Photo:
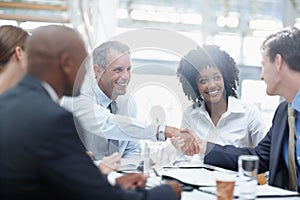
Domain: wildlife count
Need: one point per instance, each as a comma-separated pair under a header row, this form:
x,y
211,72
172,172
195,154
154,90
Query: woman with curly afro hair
x,y
209,78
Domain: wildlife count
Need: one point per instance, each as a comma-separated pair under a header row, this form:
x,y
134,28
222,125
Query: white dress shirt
x,y
50,91
241,125
96,119
126,106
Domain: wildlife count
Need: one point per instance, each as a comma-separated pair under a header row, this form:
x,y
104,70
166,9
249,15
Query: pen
x,y
205,191
155,172
171,167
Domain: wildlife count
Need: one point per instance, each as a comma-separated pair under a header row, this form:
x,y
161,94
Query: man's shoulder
x,y
282,108
127,105
32,101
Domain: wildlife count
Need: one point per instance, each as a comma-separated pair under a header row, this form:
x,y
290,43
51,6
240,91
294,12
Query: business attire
x,y
42,156
101,146
241,125
96,119
271,150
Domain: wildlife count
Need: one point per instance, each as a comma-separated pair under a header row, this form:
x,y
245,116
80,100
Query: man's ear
x,y
65,63
98,71
278,60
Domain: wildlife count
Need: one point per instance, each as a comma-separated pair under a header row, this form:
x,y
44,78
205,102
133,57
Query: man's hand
x,y
110,163
176,187
90,154
191,145
171,132
187,142
184,140
132,181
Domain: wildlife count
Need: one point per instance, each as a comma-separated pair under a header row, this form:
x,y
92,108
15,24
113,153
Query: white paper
x,y
262,191
200,177
267,190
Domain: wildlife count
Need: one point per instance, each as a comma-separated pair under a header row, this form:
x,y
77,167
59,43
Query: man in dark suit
x,y
42,156
281,72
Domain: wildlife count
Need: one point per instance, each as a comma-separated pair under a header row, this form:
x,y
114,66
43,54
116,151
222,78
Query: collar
x,y
101,98
50,91
296,102
234,106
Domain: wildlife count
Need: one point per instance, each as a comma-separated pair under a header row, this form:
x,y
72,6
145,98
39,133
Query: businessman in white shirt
x,y
105,128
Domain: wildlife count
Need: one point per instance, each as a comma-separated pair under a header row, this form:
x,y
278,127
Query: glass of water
x,y
248,168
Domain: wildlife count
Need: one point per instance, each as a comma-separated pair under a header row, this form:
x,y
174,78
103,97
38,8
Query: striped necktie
x,y
113,107
292,167
113,144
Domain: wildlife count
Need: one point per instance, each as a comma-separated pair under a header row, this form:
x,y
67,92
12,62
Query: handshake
x,y
185,141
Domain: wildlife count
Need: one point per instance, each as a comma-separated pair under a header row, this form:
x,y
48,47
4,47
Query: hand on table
x,y
110,163
132,181
176,187
135,180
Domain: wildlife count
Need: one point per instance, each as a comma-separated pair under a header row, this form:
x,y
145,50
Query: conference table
x,y
198,181
190,177
195,194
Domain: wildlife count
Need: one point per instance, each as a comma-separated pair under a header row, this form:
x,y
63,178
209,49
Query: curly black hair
x,y
212,56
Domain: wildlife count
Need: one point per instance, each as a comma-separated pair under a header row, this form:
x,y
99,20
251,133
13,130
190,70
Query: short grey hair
x,y
100,53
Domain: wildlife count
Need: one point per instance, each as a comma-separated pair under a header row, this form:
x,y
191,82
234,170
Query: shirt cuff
x,y
112,176
97,162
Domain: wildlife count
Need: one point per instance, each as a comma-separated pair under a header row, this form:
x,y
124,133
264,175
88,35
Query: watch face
x,y
161,133
161,136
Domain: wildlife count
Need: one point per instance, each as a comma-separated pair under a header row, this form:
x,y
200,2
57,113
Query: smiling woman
x,y
209,77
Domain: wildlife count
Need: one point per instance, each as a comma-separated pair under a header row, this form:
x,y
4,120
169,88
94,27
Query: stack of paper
x,y
262,191
197,177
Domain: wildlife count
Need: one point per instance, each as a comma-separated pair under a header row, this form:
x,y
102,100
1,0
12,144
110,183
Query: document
x,y
196,177
262,191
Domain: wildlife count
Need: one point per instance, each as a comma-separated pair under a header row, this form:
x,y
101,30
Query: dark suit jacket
x,y
42,156
269,151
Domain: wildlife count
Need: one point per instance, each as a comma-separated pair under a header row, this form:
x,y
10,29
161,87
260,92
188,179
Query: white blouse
x,y
241,125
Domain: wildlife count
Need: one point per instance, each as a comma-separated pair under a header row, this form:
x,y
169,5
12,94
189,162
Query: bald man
x,y
42,156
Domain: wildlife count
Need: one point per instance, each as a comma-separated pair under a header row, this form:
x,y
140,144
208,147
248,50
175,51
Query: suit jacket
x,y
42,156
269,151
